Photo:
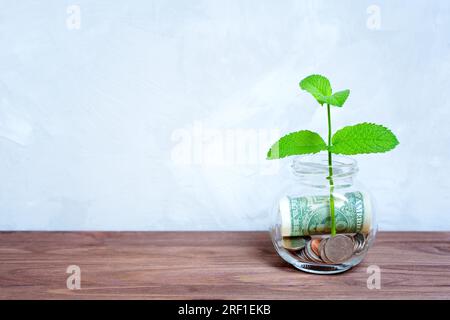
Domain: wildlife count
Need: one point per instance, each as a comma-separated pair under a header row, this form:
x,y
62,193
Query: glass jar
x,y
301,230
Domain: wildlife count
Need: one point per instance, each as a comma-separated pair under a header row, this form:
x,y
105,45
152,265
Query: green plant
x,y
357,139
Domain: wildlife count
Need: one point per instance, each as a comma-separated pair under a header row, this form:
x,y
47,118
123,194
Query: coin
x,y
356,243
322,251
315,246
306,257
360,242
359,239
301,254
310,253
338,248
294,243
321,245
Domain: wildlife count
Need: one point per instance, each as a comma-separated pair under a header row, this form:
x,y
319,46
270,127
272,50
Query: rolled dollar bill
x,y
306,216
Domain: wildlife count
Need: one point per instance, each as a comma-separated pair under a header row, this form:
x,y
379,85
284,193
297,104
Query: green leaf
x,y
363,138
318,86
338,99
296,143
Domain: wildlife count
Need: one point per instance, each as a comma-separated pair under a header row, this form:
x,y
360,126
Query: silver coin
x,y
305,256
360,240
294,243
357,245
322,251
339,248
321,245
302,256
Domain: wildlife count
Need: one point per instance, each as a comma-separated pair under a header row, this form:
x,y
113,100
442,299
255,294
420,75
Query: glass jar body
x,y
303,223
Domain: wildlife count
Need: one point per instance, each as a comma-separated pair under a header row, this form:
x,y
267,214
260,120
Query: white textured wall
x,y
116,117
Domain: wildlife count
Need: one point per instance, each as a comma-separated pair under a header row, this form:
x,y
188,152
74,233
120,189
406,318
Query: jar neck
x,y
315,171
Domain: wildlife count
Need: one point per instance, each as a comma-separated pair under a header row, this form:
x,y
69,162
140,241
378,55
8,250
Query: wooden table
x,y
210,265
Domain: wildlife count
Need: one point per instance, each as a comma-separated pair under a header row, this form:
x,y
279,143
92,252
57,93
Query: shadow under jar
x,y
301,231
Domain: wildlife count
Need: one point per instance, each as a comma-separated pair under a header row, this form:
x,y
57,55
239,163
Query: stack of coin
x,y
311,251
360,243
330,250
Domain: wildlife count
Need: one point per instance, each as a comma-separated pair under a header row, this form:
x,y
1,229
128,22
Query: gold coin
x,y
294,243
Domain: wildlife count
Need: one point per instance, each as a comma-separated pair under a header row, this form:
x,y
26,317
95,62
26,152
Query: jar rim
x,y
316,165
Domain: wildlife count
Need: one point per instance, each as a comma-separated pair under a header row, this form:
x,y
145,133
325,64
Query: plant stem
x,y
330,175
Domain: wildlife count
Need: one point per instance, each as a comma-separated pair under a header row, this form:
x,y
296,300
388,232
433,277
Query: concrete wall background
x,y
131,115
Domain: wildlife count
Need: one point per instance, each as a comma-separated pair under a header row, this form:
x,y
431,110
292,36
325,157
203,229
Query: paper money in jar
x,y
306,216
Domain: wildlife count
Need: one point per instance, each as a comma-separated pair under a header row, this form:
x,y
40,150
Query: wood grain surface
x,y
210,265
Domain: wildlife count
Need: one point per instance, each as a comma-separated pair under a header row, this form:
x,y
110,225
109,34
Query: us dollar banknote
x,y
310,215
